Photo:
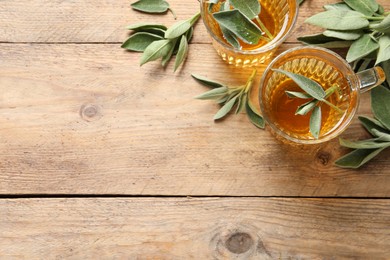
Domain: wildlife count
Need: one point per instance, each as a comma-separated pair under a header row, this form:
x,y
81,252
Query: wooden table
x,y
102,159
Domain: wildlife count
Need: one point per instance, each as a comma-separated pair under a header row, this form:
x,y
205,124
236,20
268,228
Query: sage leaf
x,y
214,94
381,10
321,40
310,86
315,122
358,157
295,94
181,27
249,8
140,41
225,109
380,105
382,137
306,107
182,52
230,37
343,35
337,6
383,26
156,50
253,116
371,124
151,6
240,25
386,68
364,144
167,57
339,20
145,27
361,48
384,49
242,100
207,82
366,7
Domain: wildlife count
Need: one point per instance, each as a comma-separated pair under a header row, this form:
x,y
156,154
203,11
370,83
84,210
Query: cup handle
x,y
370,78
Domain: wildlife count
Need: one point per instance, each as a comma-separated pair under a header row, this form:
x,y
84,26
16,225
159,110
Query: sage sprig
x,y
152,6
156,41
240,21
230,97
316,94
378,127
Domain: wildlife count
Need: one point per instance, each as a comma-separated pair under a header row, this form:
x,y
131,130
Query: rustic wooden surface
x,y
86,134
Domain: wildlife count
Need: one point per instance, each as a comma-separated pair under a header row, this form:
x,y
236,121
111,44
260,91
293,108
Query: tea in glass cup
x,y
329,70
276,18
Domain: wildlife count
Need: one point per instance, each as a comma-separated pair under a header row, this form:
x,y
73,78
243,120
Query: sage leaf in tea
x,y
380,104
384,49
156,50
230,37
296,94
315,122
357,158
240,25
249,8
182,52
140,41
361,48
366,7
152,6
339,20
306,107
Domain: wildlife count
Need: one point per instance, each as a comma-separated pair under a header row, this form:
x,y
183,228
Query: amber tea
x,y
330,71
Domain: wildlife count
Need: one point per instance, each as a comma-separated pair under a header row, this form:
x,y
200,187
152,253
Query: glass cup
x,y
278,17
329,70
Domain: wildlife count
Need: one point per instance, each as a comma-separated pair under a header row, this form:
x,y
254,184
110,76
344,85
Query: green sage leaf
x,y
242,100
315,122
384,49
140,41
295,94
380,105
310,86
361,48
383,26
182,53
339,20
225,109
207,82
337,6
343,35
371,124
306,107
357,158
230,37
157,29
240,25
156,50
151,6
364,144
386,68
253,116
214,94
382,137
167,57
321,40
181,27
366,7
249,8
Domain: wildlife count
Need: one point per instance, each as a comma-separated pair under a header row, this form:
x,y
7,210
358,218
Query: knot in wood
x,y
239,243
323,157
90,112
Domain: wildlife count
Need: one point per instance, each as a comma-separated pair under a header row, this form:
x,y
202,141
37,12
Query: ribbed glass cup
x,y
281,15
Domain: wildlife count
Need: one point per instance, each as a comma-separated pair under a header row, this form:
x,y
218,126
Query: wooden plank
x,y
85,119
104,21
189,228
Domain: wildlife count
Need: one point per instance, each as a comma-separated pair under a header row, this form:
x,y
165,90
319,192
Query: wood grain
x,y
85,119
189,228
84,21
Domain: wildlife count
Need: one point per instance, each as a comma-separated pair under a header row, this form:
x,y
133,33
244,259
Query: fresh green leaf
x,y
214,94
167,57
371,124
382,137
225,109
207,82
343,35
381,10
182,53
295,94
254,117
321,40
337,6
249,8
230,37
315,122
384,49
189,34
240,25
366,7
151,6
357,158
386,68
380,104
310,86
242,100
383,26
364,144
140,41
361,48
339,20
156,50
142,27
181,27
306,107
